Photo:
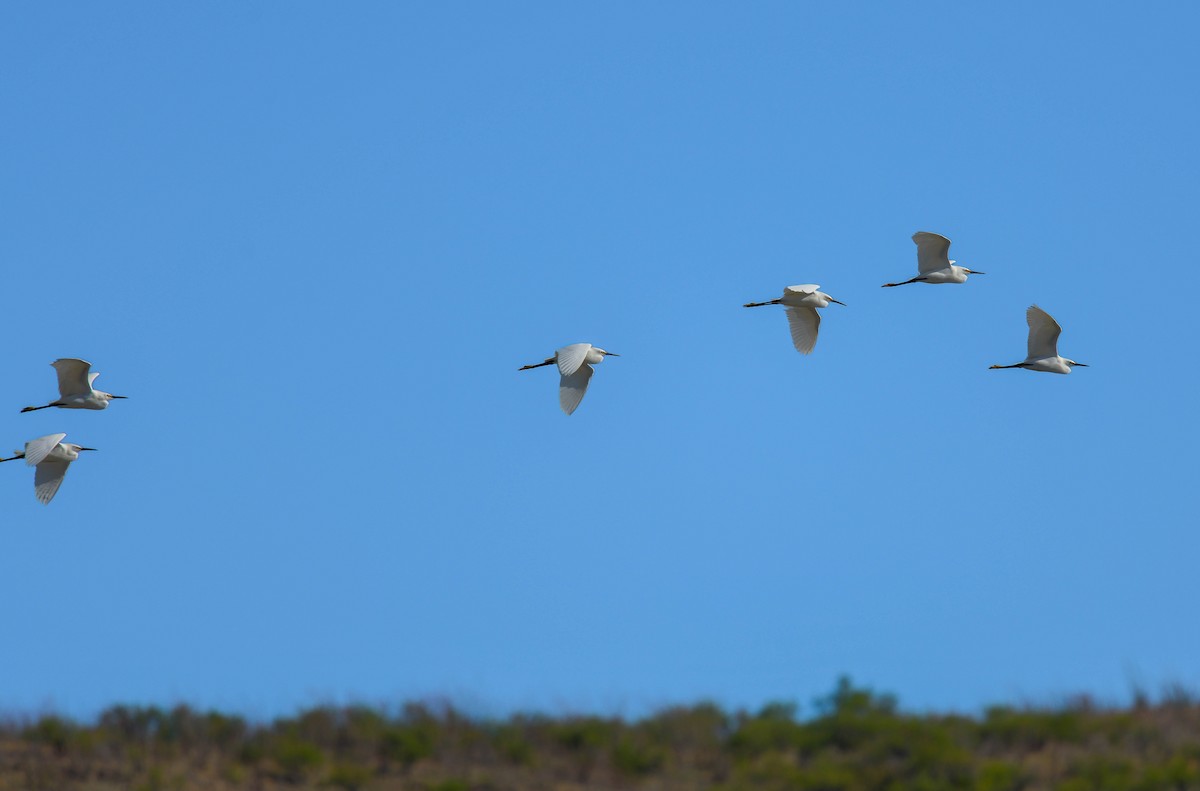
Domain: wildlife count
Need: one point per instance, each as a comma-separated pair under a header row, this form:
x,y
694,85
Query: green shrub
x,y
156,779
1179,772
52,731
773,729
223,731
296,758
1030,730
132,723
637,756
407,744
362,730
511,743
349,777
451,785
251,752
772,771
583,733
1100,773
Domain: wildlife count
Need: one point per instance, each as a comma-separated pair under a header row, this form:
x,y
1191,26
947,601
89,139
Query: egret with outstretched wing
x,y
1042,347
50,457
933,262
801,302
575,371
75,390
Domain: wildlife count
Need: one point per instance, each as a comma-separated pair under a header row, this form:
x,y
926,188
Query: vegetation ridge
x,y
854,740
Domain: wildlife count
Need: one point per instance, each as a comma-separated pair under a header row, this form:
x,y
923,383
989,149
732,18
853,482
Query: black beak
x,y
88,449
843,304
113,396
1080,365
976,272
611,354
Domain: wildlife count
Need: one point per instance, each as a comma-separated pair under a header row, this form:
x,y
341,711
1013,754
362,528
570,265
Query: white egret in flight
x,y
575,368
75,387
1043,345
801,303
933,262
51,456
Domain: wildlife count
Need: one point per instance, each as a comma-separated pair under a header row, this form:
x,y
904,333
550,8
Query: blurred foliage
x,y
853,739
349,777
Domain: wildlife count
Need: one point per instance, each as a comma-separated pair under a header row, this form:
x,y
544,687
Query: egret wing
x,y
933,251
806,288
1043,333
569,358
47,479
571,388
73,376
804,323
92,379
38,449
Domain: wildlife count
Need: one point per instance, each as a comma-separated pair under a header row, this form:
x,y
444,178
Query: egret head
x,y
606,354
1072,362
110,396
973,271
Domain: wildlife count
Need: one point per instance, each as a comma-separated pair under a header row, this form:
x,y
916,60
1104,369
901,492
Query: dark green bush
x,y
349,777
583,733
54,732
297,758
634,756
510,741
407,744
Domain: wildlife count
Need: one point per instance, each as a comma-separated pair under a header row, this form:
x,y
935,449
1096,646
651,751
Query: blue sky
x,y
314,242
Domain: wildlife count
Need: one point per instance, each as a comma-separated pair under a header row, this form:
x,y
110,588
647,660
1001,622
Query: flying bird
x,y
51,456
75,387
801,303
933,262
575,371
1043,345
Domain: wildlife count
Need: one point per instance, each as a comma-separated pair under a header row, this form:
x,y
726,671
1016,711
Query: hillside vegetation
x,y
852,740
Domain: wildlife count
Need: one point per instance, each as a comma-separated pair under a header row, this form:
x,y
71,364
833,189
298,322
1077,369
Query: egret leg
x,y
905,283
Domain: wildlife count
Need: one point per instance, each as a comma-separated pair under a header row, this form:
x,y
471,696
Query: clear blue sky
x,y
313,243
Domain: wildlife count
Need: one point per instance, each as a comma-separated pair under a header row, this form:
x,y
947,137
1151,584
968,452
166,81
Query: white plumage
x,y
1042,347
50,457
575,371
933,262
801,303
75,387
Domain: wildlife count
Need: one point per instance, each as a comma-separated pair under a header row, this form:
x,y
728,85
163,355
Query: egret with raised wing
x,y
75,387
51,457
933,262
802,303
1043,345
575,371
